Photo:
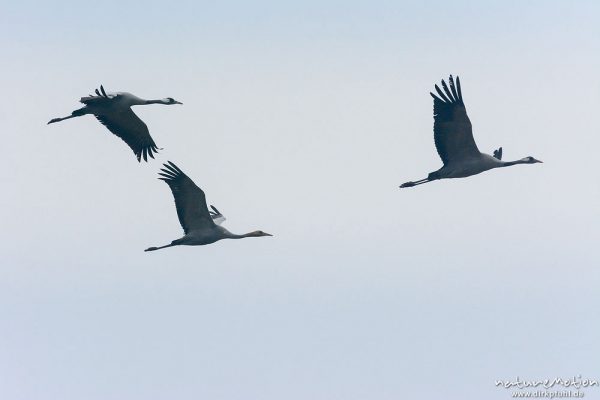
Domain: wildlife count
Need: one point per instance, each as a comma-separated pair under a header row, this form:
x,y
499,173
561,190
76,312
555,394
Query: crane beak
x,y
540,161
177,102
267,234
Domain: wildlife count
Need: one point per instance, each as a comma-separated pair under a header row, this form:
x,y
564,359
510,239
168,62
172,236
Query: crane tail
x,y
498,153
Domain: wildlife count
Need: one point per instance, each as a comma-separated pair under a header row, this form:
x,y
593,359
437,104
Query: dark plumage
x,y
452,131
453,137
113,110
200,225
190,200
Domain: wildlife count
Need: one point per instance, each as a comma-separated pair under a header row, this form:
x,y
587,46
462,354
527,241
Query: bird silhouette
x,y
200,225
113,110
453,136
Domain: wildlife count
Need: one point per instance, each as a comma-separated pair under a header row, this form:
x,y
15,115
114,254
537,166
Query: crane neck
x,y
236,236
230,235
157,101
509,163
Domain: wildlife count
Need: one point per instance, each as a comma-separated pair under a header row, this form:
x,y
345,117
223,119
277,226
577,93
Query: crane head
x,y
531,160
170,100
258,234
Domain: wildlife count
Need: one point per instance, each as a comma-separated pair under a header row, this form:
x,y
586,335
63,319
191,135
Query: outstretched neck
x,y
158,101
235,236
230,235
225,234
509,163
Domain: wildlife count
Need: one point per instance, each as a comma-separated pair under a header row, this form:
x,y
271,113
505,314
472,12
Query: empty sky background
x,y
300,119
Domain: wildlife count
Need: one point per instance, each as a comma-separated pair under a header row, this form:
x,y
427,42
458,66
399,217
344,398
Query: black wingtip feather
x,y
166,176
175,167
167,172
435,97
452,99
102,90
453,88
169,169
437,89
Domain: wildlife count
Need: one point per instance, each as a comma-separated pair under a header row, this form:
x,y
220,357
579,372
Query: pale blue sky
x,y
301,120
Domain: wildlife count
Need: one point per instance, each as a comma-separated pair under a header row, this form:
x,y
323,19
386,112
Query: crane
x,y
113,110
200,225
453,136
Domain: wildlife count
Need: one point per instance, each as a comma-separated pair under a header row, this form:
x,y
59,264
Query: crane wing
x,y
129,127
190,200
452,129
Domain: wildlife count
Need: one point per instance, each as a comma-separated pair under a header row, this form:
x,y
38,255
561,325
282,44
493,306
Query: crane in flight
x,y
113,110
200,225
453,136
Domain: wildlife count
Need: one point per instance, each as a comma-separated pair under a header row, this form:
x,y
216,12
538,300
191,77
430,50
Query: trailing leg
x,y
415,183
76,113
175,242
158,248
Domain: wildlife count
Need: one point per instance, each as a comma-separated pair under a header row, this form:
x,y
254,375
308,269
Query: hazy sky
x,y
300,120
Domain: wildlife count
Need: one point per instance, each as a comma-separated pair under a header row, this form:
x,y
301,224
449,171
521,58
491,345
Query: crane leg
x,y
76,113
158,248
415,183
